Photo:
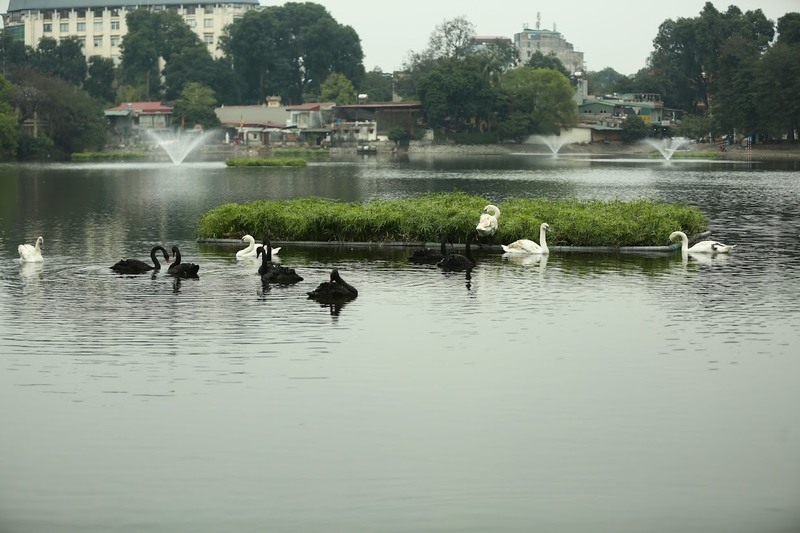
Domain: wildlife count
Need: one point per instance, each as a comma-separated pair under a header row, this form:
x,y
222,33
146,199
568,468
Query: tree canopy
x,y
290,50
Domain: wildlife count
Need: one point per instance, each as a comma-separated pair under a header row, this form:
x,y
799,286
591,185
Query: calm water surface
x,y
583,393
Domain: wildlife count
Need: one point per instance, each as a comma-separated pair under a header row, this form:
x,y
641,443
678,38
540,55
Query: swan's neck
x,y
444,248
684,243
468,252
543,239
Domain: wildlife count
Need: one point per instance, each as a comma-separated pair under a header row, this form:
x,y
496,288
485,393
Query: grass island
x,y
428,217
266,162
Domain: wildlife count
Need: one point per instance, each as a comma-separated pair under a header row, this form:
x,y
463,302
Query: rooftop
x,y
25,5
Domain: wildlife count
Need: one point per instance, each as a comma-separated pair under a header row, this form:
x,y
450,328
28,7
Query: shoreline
x,y
636,150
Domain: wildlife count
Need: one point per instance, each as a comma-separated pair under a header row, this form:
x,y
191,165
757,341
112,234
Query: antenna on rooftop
x,y
538,19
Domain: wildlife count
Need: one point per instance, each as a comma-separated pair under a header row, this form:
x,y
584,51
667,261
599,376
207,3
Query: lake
x,y
581,393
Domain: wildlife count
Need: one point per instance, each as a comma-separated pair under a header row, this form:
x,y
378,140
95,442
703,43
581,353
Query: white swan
x,y
487,225
250,250
702,247
31,254
527,246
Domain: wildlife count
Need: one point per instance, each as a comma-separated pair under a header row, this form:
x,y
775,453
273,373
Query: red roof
x,y
143,107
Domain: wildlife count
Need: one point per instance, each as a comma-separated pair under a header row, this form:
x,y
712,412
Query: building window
x,y
98,13
48,28
191,23
208,23
97,26
81,13
115,40
82,42
63,13
115,25
208,9
81,26
98,41
48,15
208,38
190,10
115,12
63,27
115,59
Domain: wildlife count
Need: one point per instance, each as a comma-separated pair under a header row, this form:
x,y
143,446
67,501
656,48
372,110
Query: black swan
x,y
181,270
427,256
135,266
333,291
458,262
272,273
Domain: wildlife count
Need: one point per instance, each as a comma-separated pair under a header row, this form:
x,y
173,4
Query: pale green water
x,y
591,393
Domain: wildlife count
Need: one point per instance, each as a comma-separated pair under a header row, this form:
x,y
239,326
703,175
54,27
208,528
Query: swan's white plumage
x,y
522,246
31,253
527,246
487,224
702,247
250,250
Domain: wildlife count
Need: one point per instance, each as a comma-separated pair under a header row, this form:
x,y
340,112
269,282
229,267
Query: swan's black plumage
x,y
427,256
181,270
272,273
458,262
333,291
135,266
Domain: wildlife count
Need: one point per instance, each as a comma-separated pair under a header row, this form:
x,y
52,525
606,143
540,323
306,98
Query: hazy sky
x,y
611,33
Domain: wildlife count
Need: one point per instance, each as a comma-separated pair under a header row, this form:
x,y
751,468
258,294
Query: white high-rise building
x,y
100,24
530,41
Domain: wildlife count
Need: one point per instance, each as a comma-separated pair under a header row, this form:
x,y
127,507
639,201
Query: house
x,y
312,121
128,121
606,114
373,121
254,124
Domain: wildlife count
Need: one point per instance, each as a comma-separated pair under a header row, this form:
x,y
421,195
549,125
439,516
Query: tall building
x,y
100,24
529,41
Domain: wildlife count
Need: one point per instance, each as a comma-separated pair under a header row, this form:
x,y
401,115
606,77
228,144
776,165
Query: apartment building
x,y
532,40
100,24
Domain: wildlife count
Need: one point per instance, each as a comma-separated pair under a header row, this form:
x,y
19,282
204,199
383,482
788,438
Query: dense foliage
x,y
429,217
290,50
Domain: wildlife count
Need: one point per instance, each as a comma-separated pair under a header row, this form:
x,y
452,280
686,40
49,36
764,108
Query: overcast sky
x,y
611,33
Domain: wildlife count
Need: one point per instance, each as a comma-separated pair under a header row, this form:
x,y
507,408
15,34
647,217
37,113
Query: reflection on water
x,y
651,392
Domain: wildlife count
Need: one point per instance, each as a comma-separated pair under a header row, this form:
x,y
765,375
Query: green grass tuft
x,y
428,217
261,162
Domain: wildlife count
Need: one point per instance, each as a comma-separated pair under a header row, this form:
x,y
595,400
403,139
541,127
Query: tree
x,y
550,61
789,29
8,122
535,101
451,38
776,85
377,85
606,81
70,118
687,51
100,83
63,59
633,129
456,94
140,52
156,35
337,88
196,106
290,50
